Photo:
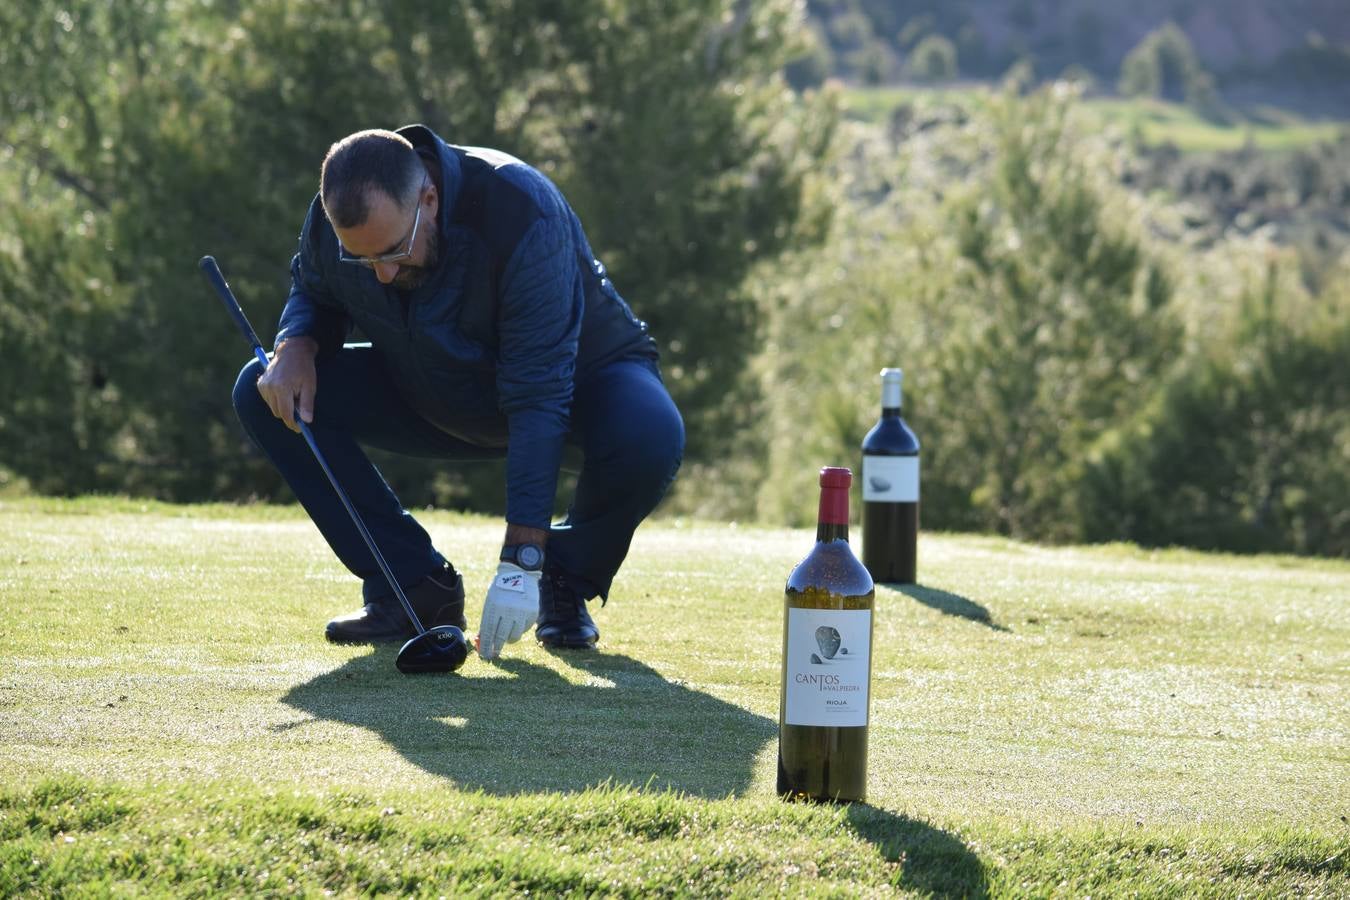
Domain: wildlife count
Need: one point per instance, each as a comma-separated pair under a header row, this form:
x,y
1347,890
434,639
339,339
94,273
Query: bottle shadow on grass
x,y
949,604
624,724
533,730
932,861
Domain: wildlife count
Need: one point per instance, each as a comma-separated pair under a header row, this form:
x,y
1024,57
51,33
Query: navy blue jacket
x,y
489,347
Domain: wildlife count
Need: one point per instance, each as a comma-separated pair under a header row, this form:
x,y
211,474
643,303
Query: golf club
x,y
438,649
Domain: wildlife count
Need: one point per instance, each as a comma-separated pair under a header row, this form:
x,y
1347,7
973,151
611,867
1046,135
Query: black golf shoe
x,y
563,620
437,599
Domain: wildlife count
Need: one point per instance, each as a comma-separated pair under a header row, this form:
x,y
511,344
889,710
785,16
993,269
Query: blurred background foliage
x,y
1103,338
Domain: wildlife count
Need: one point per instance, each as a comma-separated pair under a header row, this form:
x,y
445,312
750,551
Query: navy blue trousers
x,y
623,421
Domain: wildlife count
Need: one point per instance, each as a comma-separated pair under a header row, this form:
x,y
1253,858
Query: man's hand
x,y
290,381
511,607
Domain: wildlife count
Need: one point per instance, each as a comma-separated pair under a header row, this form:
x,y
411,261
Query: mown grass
x,y
1064,721
1152,122
68,834
1157,122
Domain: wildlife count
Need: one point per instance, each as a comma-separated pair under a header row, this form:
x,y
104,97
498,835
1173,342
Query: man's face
x,y
408,235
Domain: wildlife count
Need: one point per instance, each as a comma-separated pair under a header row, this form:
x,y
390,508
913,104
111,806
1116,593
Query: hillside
x,y
1297,52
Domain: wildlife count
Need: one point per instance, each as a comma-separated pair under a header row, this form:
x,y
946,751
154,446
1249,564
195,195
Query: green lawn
x,y
1068,721
1157,122
1152,121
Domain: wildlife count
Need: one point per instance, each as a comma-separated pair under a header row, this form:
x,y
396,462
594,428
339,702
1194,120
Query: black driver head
x,y
439,649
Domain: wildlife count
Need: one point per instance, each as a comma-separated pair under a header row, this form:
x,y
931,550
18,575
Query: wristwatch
x,y
529,557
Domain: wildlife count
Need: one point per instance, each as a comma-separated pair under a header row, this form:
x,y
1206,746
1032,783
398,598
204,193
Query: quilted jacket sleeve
x,y
542,302
310,309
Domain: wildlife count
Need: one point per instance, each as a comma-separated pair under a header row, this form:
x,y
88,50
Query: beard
x,y
412,277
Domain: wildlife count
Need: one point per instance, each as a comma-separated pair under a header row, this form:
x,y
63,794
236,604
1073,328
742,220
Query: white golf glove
x,y
511,607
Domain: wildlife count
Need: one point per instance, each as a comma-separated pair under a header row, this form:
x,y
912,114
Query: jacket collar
x,y
451,174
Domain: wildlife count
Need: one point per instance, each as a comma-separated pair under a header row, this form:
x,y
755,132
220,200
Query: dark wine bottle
x,y
890,477
827,661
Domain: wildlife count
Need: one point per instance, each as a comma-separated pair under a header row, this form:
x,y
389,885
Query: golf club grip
x,y
217,279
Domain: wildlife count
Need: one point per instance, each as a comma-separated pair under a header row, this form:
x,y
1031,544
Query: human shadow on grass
x,y
949,604
533,730
932,861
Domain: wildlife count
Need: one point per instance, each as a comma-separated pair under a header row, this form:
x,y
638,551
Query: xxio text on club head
x,y
439,649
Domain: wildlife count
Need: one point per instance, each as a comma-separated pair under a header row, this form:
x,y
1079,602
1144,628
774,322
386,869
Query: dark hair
x,y
359,163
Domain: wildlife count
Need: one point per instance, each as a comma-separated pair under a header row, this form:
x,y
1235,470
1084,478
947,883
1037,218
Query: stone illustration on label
x,y
891,479
829,640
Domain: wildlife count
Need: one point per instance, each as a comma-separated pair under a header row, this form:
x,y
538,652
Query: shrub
x,y
1246,449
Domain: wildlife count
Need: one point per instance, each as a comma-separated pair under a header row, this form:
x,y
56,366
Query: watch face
x,y
529,556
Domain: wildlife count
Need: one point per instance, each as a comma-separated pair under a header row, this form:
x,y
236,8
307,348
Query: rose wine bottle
x,y
890,492
827,661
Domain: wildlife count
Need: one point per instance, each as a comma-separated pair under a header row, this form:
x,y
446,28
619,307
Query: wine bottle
x,y
827,661
890,474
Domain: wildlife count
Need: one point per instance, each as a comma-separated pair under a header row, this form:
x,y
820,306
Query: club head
x,y
439,649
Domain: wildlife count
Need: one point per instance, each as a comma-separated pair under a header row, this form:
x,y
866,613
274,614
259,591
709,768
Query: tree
x,y
1164,64
1069,326
933,59
1140,74
813,65
81,111
58,408
1246,447
189,128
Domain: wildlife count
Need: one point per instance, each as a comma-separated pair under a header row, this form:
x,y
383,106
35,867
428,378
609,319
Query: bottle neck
x,y
890,412
831,531
832,523
890,394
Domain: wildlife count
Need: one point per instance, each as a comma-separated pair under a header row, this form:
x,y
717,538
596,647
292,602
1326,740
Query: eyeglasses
x,y
397,256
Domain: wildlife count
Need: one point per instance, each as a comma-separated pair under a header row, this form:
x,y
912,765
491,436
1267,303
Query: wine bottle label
x,y
891,479
828,663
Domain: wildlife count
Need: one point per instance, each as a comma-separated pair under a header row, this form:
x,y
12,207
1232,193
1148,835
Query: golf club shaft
x,y
217,279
